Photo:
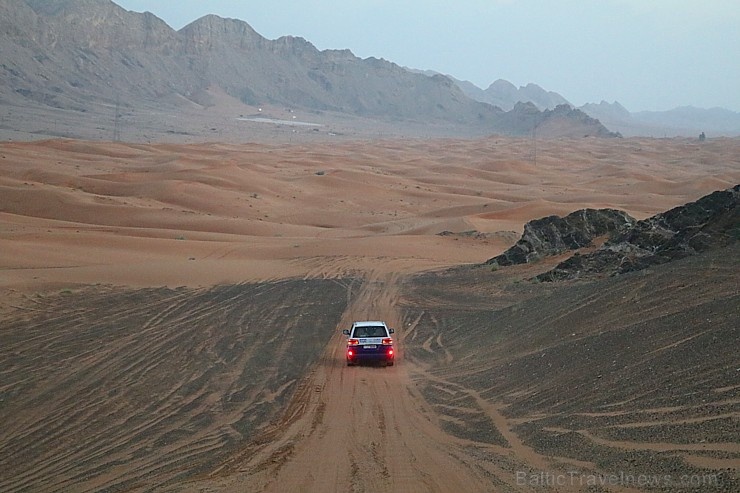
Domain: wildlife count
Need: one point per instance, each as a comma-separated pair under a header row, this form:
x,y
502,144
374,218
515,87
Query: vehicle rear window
x,y
370,331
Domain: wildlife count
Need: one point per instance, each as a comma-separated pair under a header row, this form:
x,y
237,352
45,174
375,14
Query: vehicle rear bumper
x,y
356,354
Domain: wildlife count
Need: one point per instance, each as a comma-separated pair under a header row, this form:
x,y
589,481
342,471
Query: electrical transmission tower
x,y
117,122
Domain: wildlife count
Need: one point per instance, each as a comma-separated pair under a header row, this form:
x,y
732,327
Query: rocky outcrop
x,y
554,235
563,120
709,223
503,235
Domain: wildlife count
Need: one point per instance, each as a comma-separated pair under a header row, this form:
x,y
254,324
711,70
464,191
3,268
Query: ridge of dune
x,y
71,211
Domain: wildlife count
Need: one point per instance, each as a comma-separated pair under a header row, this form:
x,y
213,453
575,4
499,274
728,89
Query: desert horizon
x,y
203,214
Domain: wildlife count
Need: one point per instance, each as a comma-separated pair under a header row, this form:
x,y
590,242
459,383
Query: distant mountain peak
x,y
502,84
506,95
99,24
217,26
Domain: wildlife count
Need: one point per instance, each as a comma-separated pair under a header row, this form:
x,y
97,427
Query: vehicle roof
x,y
368,324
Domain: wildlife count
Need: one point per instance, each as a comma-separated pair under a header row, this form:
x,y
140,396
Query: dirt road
x,y
194,390
368,428
458,415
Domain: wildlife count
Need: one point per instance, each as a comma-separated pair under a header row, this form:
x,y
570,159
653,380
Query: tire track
x,y
354,410
152,386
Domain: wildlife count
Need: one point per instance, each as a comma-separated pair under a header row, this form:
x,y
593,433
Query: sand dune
x,y
170,317
75,211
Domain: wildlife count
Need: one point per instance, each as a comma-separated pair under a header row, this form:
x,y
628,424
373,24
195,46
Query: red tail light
x,y
387,341
350,353
353,342
390,351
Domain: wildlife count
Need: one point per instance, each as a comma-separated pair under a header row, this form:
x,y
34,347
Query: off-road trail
x,y
368,428
171,318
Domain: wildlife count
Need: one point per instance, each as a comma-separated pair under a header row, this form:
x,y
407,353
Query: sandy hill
x,y
254,211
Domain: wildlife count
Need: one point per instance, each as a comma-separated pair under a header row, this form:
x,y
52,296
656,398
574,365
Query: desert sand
x,y
172,313
78,212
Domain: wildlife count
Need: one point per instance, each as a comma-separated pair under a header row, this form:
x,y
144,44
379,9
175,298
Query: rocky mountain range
x,y
506,95
686,121
80,55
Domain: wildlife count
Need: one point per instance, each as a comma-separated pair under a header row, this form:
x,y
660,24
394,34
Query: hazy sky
x,y
646,54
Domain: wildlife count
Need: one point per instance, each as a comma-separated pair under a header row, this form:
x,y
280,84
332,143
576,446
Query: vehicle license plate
x,y
370,346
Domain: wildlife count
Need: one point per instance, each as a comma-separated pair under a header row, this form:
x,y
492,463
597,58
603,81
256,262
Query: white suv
x,y
369,341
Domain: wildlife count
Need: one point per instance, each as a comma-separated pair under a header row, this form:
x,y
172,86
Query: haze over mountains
x,y
682,121
88,56
91,62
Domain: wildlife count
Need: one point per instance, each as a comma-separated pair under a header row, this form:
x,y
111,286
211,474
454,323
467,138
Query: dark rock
x,y
709,223
554,235
507,235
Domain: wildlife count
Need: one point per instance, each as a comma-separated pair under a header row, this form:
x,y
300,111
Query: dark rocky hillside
x,y
710,223
553,235
633,373
80,55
